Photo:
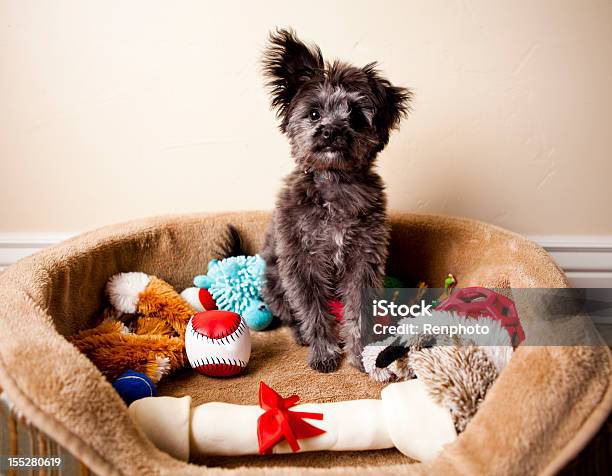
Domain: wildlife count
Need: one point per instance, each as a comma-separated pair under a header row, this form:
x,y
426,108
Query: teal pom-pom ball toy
x,y
235,283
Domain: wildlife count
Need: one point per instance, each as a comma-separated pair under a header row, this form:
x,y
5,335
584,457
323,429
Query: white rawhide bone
x,y
405,417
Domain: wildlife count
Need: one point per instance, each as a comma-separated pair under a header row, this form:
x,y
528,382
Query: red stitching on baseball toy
x,y
218,343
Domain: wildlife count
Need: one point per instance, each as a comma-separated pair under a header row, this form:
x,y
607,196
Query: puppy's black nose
x,y
329,133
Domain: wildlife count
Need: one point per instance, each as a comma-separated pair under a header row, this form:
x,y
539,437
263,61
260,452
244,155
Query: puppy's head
x,y
336,116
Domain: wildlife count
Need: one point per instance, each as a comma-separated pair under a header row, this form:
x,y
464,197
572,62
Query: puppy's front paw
x,y
325,365
324,360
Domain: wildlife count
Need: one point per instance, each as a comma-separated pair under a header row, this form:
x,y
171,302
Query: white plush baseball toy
x,y
218,343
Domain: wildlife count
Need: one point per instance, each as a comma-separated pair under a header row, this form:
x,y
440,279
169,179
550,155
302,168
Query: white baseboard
x,y
587,259
15,246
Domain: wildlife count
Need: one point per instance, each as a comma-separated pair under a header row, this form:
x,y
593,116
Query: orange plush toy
x,y
144,331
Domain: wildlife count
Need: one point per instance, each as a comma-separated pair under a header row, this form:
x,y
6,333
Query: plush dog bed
x,y
539,414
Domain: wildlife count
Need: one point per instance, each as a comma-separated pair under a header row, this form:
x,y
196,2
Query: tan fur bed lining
x,y
541,411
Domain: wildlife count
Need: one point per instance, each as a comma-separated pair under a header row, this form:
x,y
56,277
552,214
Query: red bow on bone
x,y
278,422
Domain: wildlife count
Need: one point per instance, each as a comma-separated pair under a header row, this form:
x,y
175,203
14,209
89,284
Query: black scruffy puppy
x,y
329,234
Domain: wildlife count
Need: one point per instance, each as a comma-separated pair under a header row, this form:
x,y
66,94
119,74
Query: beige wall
x,y
115,110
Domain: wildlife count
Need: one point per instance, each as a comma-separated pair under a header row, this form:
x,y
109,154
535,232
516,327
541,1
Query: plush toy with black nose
x,y
476,331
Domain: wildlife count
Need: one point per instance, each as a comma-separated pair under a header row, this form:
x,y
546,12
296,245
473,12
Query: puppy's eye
x,y
314,115
357,120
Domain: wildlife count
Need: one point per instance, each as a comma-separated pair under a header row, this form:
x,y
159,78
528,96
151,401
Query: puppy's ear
x,y
288,63
392,103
